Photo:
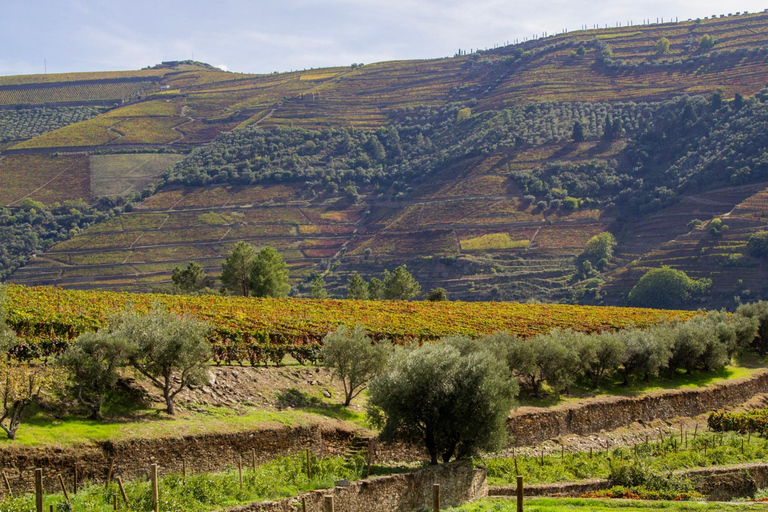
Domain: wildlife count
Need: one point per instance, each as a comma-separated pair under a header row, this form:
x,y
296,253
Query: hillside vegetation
x,y
487,173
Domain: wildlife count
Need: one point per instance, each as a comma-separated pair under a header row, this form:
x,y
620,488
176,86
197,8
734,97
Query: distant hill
x,y
463,168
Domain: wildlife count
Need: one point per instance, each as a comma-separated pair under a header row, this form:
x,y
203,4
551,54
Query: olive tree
x,y
456,405
646,352
93,361
169,350
353,358
598,355
759,312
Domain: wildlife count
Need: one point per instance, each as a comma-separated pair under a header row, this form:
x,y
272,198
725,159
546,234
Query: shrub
x,y
570,203
437,295
662,45
751,421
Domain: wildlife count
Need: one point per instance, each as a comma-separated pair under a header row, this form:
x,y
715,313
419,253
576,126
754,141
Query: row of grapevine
x,y
48,318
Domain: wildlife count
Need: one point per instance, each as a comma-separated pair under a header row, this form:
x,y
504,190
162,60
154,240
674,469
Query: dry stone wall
x,y
459,483
530,427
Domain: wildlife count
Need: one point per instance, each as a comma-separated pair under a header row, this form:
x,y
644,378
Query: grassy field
x,y
580,504
672,454
122,174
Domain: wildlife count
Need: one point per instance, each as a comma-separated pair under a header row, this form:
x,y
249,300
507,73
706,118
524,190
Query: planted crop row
x,y
51,317
28,123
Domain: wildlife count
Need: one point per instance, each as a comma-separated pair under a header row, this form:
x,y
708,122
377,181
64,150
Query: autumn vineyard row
x,y
255,331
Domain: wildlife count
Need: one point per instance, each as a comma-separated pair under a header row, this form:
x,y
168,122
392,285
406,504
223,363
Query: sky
x,y
262,36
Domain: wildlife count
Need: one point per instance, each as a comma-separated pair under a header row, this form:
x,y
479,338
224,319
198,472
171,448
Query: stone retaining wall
x,y
200,453
531,426
459,483
720,483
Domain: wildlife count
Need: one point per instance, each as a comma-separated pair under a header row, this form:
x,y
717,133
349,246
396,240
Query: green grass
x,y
654,456
43,430
568,504
680,380
280,478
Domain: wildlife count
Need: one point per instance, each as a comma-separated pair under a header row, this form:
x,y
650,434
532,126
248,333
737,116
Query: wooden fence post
x,y
7,485
309,467
303,504
63,488
109,473
253,461
74,479
328,503
39,490
184,469
114,502
520,494
436,497
122,490
370,458
155,488
240,469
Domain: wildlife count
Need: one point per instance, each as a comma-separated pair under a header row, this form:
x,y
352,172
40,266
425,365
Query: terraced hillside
x,y
469,169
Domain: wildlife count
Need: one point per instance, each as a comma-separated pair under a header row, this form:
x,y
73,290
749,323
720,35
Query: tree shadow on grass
x,y
298,399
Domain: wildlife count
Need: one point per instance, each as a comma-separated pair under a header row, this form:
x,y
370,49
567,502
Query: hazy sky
x,y
261,36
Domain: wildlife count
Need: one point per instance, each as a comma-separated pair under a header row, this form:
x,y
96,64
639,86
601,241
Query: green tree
x,y
608,129
571,203
758,244
358,288
354,359
237,268
317,288
437,295
456,405
662,45
170,350
706,42
269,274
376,289
646,352
400,285
598,355
190,279
464,114
596,254
759,312
543,358
666,288
93,361
738,101
578,132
